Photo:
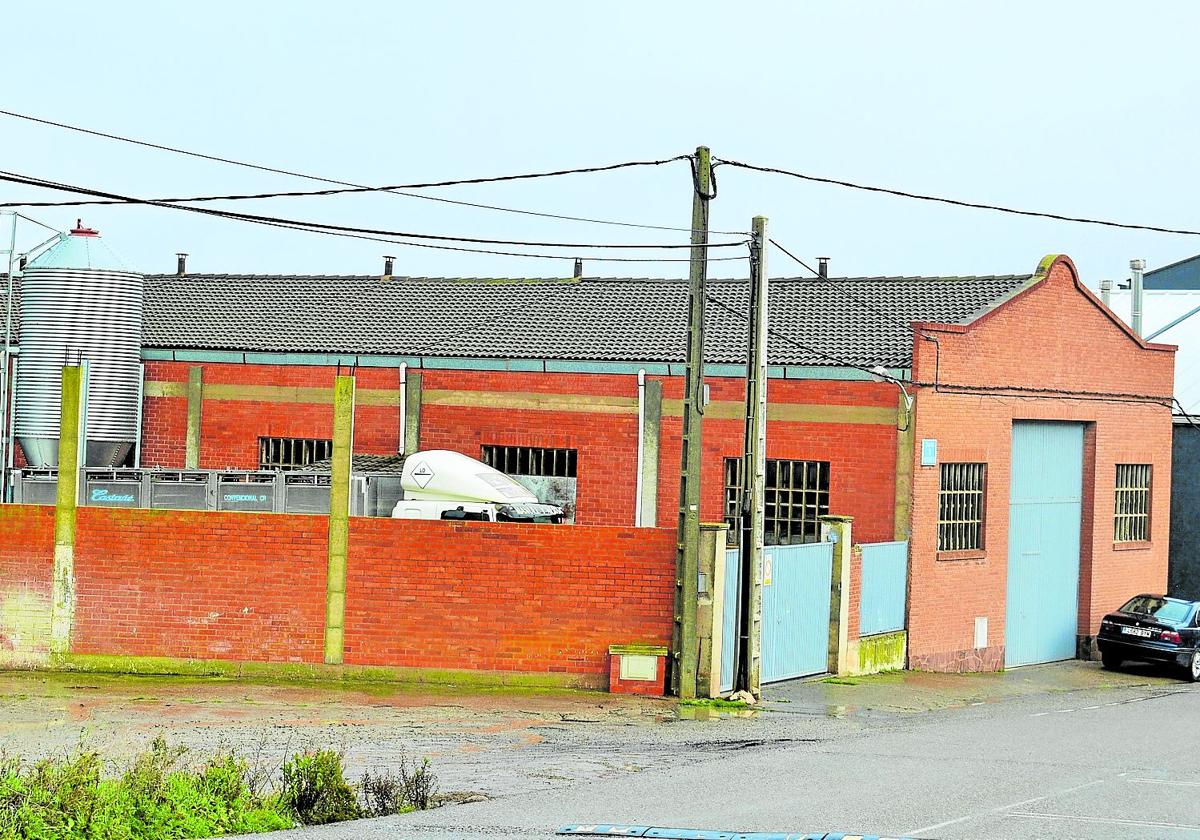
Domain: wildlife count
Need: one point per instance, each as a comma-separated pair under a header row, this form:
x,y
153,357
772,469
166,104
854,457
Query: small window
x,y
531,460
1131,521
961,507
797,493
278,453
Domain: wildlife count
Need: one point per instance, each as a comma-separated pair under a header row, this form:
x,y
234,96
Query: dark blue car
x,y
1153,628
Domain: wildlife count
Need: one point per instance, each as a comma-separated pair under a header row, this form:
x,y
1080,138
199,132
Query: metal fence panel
x,y
884,587
729,629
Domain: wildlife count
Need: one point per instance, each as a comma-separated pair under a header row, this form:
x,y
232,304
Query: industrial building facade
x,y
928,409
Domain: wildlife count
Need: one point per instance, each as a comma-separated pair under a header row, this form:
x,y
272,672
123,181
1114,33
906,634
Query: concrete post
x,y
652,435
195,399
62,607
709,609
339,519
836,529
412,412
905,423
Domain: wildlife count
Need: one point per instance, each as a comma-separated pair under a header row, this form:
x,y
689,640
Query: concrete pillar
x,y
651,442
339,519
62,607
412,412
195,398
710,607
836,529
905,422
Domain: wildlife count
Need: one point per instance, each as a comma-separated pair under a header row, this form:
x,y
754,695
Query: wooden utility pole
x,y
754,468
687,559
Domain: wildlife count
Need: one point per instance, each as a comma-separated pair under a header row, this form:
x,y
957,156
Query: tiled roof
x,y
863,321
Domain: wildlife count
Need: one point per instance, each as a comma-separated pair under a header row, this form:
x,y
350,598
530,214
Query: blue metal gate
x,y
729,630
796,583
884,587
1043,542
795,607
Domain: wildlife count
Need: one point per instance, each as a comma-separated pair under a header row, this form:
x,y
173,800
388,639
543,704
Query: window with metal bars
x,y
961,507
1131,521
280,453
796,493
531,460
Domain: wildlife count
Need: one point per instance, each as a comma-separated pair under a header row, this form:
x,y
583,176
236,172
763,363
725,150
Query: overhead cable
x,y
956,202
395,189
18,178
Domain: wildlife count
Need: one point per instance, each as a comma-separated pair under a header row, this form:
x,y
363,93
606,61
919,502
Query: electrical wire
x,y
956,202
18,178
392,190
396,189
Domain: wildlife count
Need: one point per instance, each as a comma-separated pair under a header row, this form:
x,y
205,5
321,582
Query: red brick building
x,y
891,400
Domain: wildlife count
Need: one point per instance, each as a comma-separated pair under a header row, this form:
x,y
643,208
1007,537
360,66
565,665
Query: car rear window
x,y
1159,608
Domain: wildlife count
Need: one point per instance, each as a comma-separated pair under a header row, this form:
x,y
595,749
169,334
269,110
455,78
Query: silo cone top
x,y
81,248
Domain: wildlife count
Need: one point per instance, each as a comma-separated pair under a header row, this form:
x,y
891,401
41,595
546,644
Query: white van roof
x,y
442,474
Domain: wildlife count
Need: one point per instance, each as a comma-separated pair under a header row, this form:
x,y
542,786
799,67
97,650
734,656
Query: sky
x,y
1081,108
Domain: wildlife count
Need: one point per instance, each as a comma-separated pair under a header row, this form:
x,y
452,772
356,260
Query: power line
x,y
395,189
837,287
17,178
392,190
956,202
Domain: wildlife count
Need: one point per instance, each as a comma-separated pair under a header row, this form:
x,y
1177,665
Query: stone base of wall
x,y
959,661
1087,649
879,653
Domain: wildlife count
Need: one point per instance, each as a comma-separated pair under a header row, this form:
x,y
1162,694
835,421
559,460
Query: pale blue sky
x,y
1084,108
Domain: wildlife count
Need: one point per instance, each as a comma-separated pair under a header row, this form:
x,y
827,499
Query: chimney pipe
x,y
1106,292
389,263
578,267
822,267
181,264
1136,267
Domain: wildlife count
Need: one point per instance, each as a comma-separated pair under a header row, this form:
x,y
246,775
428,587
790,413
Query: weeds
x,y
160,795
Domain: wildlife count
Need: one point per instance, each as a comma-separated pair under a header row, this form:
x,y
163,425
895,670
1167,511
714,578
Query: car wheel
x,y
1193,669
1110,661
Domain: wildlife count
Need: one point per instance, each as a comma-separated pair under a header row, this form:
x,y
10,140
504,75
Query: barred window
x,y
961,507
531,460
797,492
280,453
1131,522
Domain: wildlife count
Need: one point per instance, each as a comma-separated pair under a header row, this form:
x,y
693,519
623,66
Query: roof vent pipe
x,y
1136,267
389,263
578,267
1106,292
823,267
181,265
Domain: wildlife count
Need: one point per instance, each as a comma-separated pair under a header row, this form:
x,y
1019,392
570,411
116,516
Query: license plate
x,y
1136,631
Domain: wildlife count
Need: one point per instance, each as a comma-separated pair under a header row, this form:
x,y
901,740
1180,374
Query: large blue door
x,y
795,618
1043,542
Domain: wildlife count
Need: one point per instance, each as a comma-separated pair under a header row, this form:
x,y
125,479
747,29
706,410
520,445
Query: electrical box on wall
x,y
929,452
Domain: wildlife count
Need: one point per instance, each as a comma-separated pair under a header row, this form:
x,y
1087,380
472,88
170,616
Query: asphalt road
x,y
1093,762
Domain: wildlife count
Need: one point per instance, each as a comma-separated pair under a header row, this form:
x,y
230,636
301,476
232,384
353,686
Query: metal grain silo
x,y
79,302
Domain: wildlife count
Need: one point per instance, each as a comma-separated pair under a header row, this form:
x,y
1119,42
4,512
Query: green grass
x,y
840,681
161,795
716,703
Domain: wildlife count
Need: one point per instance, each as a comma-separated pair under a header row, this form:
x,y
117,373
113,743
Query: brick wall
x,y
862,455
251,587
504,596
26,569
1058,336
202,585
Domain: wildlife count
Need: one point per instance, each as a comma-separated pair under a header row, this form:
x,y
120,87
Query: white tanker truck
x,y
440,484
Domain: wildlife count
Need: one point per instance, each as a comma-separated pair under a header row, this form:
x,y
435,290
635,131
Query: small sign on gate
x,y
766,578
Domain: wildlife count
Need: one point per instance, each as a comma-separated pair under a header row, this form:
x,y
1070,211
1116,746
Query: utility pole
x,y
754,470
687,558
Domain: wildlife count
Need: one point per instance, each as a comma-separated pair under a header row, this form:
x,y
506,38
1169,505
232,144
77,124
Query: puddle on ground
x,y
710,713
